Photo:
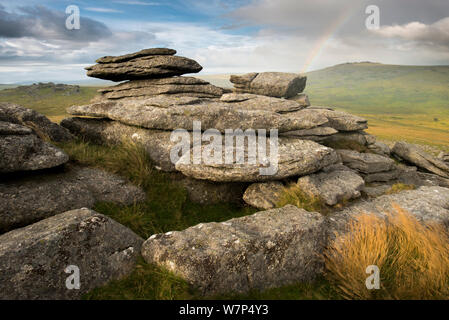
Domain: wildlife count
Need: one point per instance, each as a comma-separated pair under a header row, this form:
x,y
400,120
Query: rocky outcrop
x,y
333,187
443,156
22,150
342,121
272,84
142,65
427,204
30,198
37,261
247,101
264,250
217,115
40,124
295,158
174,87
420,158
317,134
264,195
372,167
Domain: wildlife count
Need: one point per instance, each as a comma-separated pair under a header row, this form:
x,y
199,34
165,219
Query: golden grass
x,y
294,195
413,258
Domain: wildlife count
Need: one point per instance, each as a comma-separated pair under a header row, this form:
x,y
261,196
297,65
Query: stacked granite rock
x,y
44,223
156,99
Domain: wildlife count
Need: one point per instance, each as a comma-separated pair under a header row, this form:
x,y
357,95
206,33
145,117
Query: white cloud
x,y
427,34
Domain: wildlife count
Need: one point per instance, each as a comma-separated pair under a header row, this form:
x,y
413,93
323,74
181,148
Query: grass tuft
x,y
413,258
294,195
399,187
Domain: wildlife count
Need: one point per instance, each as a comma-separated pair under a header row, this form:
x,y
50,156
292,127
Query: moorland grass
x,y
413,258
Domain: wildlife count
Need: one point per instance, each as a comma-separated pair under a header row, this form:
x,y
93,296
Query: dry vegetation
x,y
413,258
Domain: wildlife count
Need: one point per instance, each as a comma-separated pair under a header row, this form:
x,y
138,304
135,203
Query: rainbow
x,y
350,9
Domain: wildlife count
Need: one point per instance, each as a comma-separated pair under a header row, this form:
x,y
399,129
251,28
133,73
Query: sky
x,y
232,36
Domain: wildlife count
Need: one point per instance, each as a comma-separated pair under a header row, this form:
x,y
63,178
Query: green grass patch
x,y
294,195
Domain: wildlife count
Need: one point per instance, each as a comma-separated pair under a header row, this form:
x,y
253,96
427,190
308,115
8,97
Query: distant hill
x,y
401,102
48,98
374,88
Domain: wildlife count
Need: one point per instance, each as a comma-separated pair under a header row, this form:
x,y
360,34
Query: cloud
x,y
436,34
42,23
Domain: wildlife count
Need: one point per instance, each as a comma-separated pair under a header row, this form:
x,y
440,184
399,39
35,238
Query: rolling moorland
x,y
408,103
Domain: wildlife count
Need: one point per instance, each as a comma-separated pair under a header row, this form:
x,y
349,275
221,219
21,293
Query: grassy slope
x,y
52,104
400,102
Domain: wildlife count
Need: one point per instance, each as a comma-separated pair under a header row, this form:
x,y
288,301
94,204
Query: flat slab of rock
x,y
264,250
25,200
366,162
333,187
40,124
420,158
295,157
141,53
142,89
33,259
22,150
217,115
317,134
272,84
247,101
427,204
263,195
342,121
142,66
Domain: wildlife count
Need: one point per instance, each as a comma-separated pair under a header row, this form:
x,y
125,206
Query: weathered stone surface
x,y
168,86
342,121
383,176
139,54
272,84
26,152
295,157
217,115
366,162
102,131
33,259
427,204
315,134
302,99
267,249
207,192
264,195
375,191
25,200
333,187
40,124
380,148
8,128
420,158
248,101
354,139
443,156
145,67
